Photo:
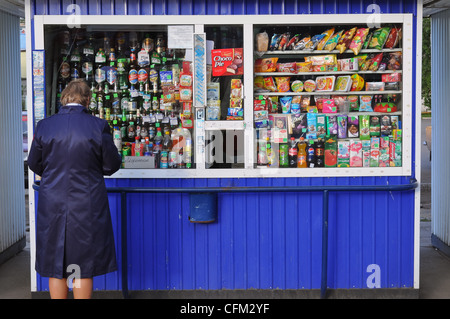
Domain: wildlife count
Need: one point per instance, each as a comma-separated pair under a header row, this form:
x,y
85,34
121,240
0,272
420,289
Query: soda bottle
x,y
320,153
293,151
284,155
311,154
137,147
131,130
158,139
301,156
167,142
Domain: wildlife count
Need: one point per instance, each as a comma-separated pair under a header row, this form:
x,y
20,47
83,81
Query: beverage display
x,y
135,86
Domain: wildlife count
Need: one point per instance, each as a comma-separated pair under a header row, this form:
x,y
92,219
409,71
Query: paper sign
x,y
179,36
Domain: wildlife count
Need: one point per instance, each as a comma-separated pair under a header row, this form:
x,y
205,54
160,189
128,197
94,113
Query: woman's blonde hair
x,y
77,91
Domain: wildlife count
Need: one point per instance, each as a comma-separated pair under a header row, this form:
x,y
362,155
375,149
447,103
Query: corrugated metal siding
x,y
440,27
12,194
259,241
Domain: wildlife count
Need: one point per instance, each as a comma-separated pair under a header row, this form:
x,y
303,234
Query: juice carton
x,y
374,151
356,159
330,151
366,153
384,151
332,126
364,127
343,159
321,126
342,126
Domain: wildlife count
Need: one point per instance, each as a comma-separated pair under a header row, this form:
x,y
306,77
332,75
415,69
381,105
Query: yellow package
x,y
327,37
304,67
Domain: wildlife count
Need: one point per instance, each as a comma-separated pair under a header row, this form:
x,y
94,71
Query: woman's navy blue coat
x,y
71,151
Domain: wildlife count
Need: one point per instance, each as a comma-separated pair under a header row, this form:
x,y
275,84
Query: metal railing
x,y
123,191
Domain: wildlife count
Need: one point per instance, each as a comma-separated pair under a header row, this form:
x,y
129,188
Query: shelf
x,y
328,93
326,73
305,52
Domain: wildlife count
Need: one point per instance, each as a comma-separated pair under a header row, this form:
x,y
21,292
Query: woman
x,y
71,151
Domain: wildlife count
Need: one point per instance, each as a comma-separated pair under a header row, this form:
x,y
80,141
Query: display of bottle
x,y
138,123
293,151
137,147
301,155
117,136
87,61
100,101
157,145
311,154
122,67
148,147
112,61
131,129
100,62
147,43
284,155
167,141
64,73
116,99
320,153
75,64
262,154
124,127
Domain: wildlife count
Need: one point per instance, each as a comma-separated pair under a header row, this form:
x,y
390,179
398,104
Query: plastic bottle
x,y
293,151
301,156
117,136
137,147
320,153
311,154
167,142
158,140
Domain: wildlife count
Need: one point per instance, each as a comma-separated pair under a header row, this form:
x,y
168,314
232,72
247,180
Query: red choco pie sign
x,y
227,62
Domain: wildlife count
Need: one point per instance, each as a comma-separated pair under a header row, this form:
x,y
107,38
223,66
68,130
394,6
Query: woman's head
x,y
77,91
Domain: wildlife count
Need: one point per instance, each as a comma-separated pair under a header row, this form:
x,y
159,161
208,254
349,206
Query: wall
x,y
262,241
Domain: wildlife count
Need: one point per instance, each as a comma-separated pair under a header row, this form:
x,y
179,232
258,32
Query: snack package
x,y
345,41
292,41
319,60
274,42
301,43
364,127
354,102
321,125
394,122
379,38
394,38
212,113
312,44
260,104
333,41
343,156
312,126
332,126
269,84
343,83
304,67
261,118
395,61
384,152
358,40
342,126
213,91
330,151
328,106
304,103
353,126
283,83
295,108
357,82
356,156
286,104
284,41
309,85
375,86
374,151
366,152
266,65
365,103
297,125
340,103
367,40
328,34
374,126
385,125
325,83
258,84
290,67
297,86
395,153
372,63
348,64
262,42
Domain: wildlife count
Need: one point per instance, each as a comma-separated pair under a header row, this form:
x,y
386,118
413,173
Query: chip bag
x,y
393,38
333,41
327,35
358,40
266,65
283,83
379,38
345,41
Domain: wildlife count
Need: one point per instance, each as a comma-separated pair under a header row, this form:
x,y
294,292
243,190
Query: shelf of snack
x,y
340,107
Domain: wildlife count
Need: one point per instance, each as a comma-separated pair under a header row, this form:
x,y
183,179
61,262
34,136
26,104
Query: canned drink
x,y
172,159
164,159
